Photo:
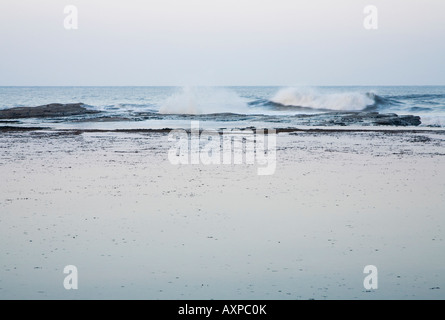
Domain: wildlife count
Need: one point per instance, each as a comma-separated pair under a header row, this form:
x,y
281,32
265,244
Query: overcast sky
x,y
222,42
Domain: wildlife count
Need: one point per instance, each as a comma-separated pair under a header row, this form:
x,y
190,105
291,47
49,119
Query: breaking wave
x,y
204,100
310,98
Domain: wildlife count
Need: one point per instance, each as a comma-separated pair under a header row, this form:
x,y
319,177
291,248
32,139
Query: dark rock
x,y
20,129
395,120
411,120
359,118
48,110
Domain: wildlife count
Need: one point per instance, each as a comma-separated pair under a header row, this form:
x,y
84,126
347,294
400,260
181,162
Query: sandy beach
x,y
138,227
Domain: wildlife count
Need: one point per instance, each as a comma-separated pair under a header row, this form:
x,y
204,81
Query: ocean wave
x,y
204,100
217,100
313,99
419,96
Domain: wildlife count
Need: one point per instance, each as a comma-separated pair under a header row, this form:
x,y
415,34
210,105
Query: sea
x,y
137,107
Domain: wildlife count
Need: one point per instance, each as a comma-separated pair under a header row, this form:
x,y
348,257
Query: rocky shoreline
x,y
44,111
58,110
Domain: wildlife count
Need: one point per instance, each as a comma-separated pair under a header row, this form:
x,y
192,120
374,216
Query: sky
x,y
221,42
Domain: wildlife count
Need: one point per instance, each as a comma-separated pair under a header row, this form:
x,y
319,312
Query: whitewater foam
x,y
311,98
204,100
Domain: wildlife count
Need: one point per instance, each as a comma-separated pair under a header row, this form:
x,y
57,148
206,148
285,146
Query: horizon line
x,y
262,85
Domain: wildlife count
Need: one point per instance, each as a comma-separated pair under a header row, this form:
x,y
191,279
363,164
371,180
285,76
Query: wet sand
x,y
138,227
